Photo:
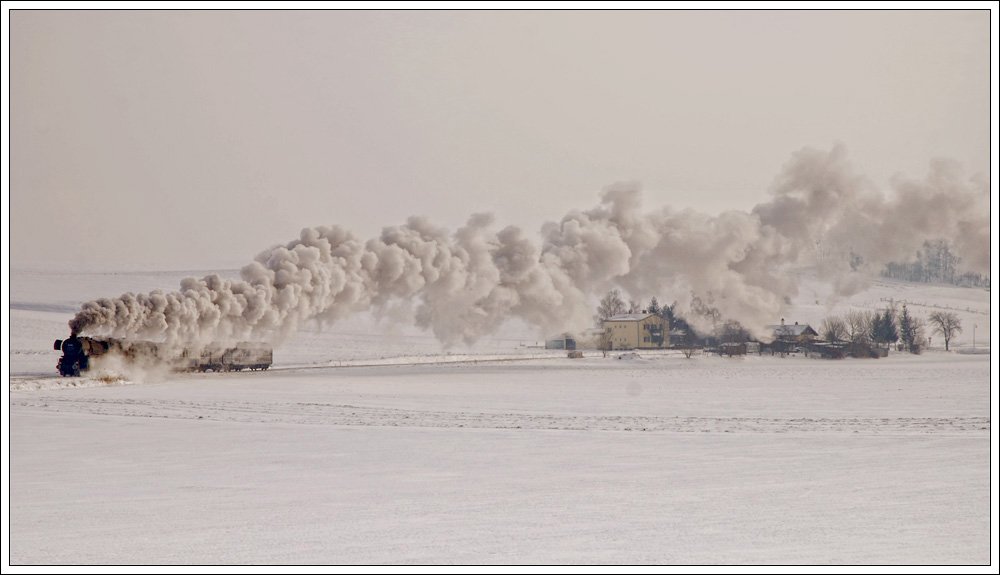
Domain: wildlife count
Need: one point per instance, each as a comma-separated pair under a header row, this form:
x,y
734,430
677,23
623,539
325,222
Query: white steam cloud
x,y
466,284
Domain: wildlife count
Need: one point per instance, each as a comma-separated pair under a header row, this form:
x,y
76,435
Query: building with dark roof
x,y
797,333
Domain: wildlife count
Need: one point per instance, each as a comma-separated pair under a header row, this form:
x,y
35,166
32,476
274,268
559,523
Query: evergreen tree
x,y
667,312
875,329
654,306
676,321
905,328
890,334
882,328
909,331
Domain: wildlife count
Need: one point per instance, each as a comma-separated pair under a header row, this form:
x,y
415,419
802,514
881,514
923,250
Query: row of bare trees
x,y
866,329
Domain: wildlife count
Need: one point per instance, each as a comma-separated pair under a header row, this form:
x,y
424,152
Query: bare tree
x,y
689,342
705,310
611,305
918,335
833,329
733,332
945,323
857,323
604,341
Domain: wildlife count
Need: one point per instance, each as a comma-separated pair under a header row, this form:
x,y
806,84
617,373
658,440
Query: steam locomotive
x,y
80,352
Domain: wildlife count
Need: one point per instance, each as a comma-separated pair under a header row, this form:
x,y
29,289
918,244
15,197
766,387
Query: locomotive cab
x,y
73,359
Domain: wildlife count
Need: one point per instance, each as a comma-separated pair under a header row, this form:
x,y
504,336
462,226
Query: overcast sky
x,y
189,140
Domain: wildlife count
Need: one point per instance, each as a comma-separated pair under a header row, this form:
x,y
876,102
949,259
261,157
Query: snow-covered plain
x,y
362,446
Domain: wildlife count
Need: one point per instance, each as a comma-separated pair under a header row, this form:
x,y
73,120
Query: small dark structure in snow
x,y
562,341
829,350
732,348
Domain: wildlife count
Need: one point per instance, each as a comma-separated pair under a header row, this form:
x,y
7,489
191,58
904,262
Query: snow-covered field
x,y
362,446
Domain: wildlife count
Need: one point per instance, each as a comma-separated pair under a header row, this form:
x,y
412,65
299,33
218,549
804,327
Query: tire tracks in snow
x,y
345,415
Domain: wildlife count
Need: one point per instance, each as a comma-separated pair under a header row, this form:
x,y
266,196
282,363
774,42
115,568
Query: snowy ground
x,y
364,448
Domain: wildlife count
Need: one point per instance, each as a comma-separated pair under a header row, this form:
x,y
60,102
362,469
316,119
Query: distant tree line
x,y
863,330
935,263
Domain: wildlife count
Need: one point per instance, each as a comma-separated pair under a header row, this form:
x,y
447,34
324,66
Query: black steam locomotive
x,y
79,353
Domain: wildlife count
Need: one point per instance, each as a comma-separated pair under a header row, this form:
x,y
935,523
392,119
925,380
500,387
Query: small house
x,y
790,337
797,334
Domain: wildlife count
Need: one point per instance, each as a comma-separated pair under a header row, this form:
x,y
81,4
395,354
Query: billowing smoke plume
x,y
838,221
465,285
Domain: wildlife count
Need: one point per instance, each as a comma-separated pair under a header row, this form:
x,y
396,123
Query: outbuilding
x,y
562,341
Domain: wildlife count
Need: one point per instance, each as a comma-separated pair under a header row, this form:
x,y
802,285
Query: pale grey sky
x,y
186,140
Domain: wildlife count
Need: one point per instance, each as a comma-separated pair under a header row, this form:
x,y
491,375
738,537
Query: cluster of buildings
x,y
620,332
644,330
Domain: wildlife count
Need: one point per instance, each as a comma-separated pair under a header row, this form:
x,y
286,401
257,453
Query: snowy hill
x,y
972,305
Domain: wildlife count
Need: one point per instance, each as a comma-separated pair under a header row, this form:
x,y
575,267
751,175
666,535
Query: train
x,y
79,353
